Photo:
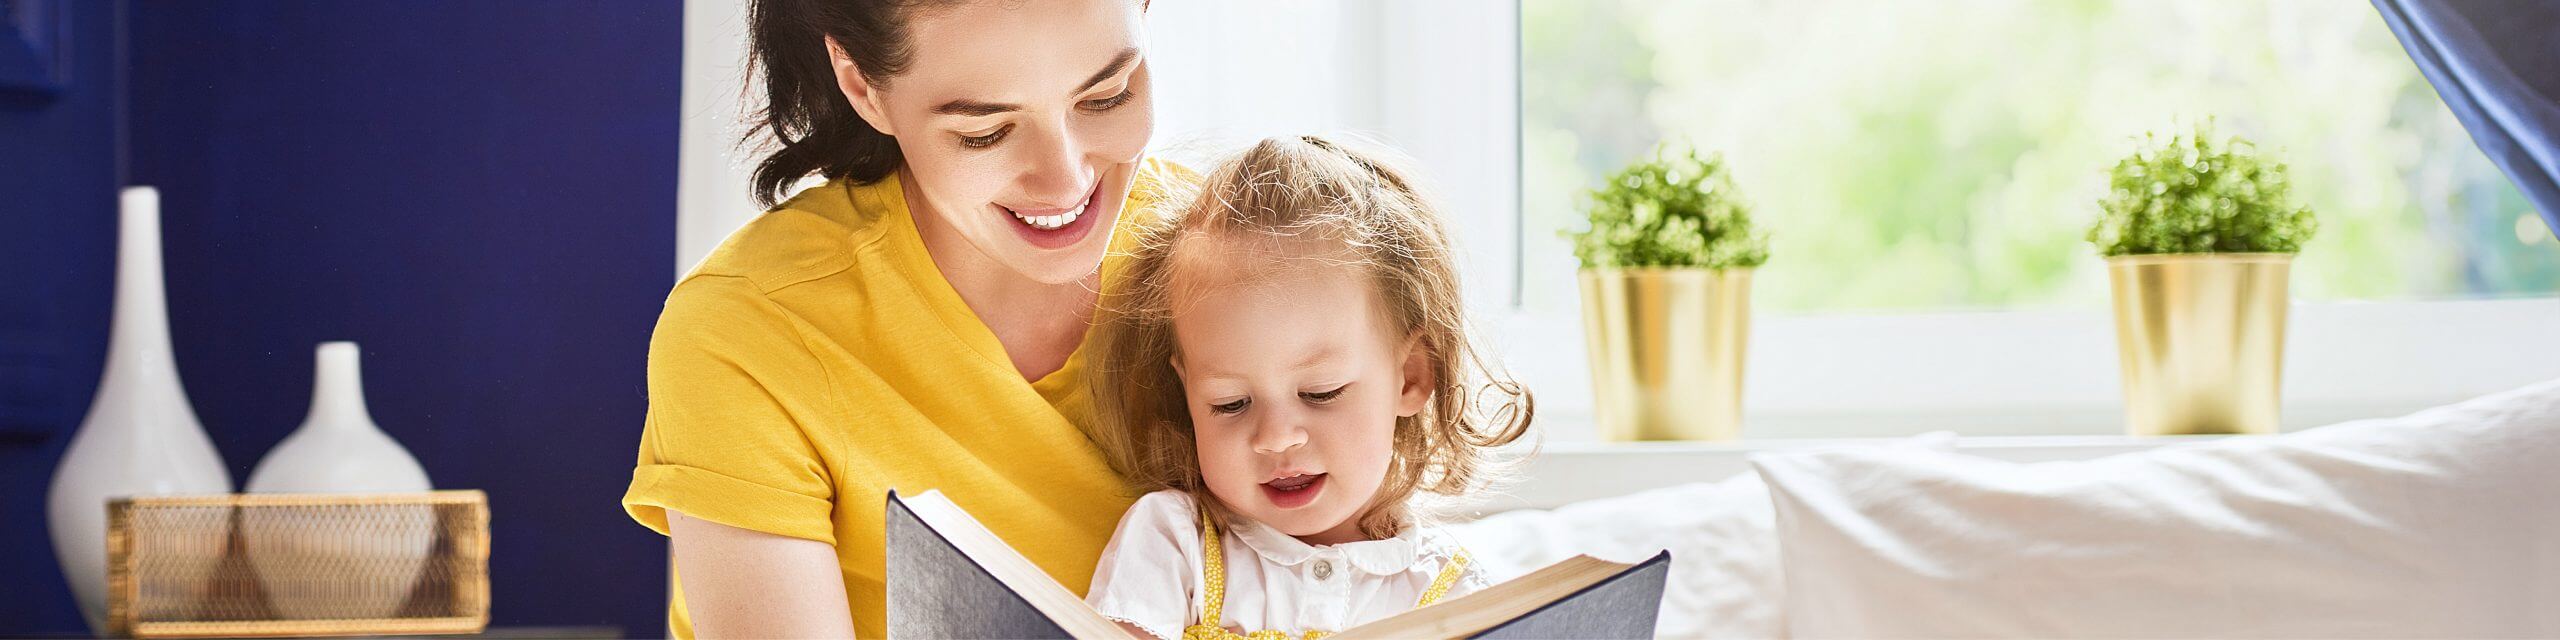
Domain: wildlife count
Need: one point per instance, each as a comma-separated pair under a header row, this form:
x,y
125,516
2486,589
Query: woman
x,y
913,323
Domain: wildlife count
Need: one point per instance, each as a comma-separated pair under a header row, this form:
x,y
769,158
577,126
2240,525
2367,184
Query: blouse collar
x,y
1382,557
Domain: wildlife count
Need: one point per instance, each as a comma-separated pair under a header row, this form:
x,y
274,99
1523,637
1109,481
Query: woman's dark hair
x,y
809,126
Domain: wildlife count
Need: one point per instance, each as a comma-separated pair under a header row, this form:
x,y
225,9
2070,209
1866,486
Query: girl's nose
x,y
1277,432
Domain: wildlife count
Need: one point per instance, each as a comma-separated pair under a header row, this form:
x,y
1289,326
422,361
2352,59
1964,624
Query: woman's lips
x,y
1048,219
1294,491
1056,228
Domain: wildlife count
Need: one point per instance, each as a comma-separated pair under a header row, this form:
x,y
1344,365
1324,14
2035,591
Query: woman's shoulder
x,y
819,231
1161,182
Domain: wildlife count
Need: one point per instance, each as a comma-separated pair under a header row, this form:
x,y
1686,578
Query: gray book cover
x,y
936,591
1622,607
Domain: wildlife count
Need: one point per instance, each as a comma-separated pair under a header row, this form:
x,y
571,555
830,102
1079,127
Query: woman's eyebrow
x,y
1118,62
975,108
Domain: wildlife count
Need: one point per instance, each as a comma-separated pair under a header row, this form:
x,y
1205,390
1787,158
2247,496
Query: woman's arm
x,y
750,584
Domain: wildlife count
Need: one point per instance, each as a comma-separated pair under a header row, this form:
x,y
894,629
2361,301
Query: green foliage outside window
x,y
1946,154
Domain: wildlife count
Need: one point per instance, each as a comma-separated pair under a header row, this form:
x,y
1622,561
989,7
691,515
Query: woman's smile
x,y
1058,227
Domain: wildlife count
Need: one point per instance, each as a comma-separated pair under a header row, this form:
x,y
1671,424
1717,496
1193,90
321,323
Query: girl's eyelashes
x,y
1238,405
984,141
1231,408
1113,102
1321,397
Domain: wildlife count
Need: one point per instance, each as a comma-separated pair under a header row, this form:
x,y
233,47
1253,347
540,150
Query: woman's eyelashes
x,y
1113,102
987,140
1096,105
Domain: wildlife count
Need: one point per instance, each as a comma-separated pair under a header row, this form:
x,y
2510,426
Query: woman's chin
x,y
1062,265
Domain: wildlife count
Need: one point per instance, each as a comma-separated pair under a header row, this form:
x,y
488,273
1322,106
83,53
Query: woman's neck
x,y
1038,323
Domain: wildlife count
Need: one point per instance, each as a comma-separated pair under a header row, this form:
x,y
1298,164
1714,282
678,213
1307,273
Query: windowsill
x,y
1568,471
2054,372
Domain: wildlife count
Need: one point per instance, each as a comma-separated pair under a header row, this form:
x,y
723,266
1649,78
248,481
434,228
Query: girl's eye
x,y
1113,102
1321,397
1231,408
981,142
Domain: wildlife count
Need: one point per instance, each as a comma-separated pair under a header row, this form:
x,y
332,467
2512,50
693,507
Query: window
x,y
1948,154
1928,170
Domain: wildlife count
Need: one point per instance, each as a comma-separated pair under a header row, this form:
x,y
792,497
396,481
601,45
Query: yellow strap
x,y
1448,578
1213,573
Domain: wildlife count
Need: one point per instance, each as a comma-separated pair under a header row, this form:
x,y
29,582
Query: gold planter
x,y
1666,351
2200,339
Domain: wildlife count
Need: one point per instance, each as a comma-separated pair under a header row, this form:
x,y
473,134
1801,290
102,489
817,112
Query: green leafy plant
x,y
2192,195
1675,210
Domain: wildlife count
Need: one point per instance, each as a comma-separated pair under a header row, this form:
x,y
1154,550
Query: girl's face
x,y
1021,124
1294,381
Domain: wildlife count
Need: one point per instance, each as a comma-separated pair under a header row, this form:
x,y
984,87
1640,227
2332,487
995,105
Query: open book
x,y
949,577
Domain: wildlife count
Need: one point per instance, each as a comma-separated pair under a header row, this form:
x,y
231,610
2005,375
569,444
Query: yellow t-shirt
x,y
818,359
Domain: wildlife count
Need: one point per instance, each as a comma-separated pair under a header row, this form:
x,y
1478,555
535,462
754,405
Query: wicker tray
x,y
298,565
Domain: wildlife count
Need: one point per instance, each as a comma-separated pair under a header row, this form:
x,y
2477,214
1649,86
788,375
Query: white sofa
x,y
2442,523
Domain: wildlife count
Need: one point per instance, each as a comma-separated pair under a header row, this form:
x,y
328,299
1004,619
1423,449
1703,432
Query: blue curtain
x,y
2496,63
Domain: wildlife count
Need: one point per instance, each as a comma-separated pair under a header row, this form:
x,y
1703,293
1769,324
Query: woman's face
x,y
1021,124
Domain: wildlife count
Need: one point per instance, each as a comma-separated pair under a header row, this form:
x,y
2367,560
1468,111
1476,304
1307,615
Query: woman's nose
x,y
1278,432
1054,169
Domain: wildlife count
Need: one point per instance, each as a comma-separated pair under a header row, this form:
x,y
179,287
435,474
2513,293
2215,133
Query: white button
x,y
1324,569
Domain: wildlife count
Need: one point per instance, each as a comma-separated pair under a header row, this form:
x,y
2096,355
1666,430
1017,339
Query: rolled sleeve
x,y
731,389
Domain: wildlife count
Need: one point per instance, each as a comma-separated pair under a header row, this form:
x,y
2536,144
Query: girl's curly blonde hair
x,y
1301,190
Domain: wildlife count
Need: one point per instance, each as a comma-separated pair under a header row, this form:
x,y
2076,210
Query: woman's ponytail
x,y
805,121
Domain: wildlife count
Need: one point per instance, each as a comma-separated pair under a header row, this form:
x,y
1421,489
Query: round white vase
x,y
140,436
309,570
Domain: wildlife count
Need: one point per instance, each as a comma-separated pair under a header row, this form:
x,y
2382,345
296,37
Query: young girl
x,y
1286,366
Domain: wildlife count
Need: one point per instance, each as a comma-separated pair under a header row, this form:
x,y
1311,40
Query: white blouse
x,y
1150,575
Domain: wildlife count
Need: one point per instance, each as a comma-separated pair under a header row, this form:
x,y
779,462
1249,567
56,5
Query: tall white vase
x,y
338,449
140,437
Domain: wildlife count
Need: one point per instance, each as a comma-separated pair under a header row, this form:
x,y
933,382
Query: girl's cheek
x,y
1218,454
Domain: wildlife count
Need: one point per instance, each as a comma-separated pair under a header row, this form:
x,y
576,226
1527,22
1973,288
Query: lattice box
x,y
298,564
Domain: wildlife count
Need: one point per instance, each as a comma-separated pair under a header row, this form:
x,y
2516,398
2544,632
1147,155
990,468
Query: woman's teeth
x,y
1049,223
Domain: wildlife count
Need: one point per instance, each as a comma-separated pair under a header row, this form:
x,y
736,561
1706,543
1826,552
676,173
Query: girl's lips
x,y
1295,491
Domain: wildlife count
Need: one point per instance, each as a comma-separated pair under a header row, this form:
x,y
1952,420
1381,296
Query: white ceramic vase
x,y
310,571
140,436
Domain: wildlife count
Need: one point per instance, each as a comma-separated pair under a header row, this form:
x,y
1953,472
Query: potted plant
x,y
2199,237
1666,298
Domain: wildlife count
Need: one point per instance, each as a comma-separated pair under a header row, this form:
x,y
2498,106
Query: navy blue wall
x,y
480,192
58,178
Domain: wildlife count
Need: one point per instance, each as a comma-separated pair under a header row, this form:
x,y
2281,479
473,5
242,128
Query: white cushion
x,y
1724,580
1724,556
2444,523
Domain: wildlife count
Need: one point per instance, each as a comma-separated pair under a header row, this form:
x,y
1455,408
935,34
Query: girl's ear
x,y
857,90
1418,378
1176,360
